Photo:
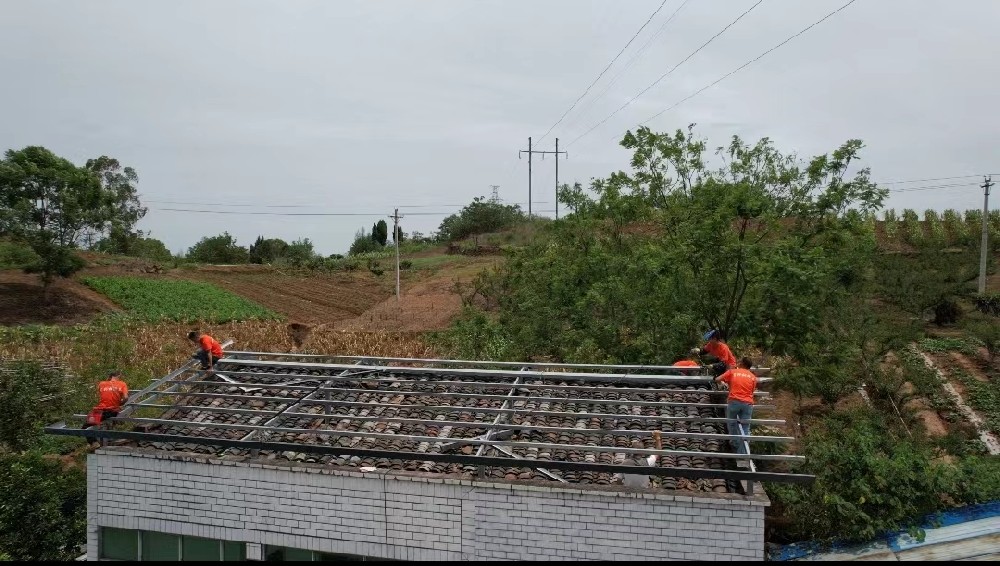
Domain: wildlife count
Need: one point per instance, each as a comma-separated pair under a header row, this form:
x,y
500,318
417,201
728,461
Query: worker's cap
x,y
710,334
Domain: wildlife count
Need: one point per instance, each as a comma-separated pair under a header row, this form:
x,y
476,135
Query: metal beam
x,y
692,473
459,424
447,394
485,362
561,376
485,410
418,438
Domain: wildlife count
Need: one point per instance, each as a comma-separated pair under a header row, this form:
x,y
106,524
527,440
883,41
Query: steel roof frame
x,y
187,385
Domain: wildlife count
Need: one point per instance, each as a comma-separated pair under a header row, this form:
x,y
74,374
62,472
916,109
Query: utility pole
x,y
531,152
983,247
395,237
557,176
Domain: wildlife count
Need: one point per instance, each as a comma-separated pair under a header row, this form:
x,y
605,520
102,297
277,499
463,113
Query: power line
x,y
933,187
196,203
628,65
930,179
665,75
251,213
747,64
572,106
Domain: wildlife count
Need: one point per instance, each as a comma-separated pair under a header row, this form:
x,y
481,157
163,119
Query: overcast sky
x,y
362,106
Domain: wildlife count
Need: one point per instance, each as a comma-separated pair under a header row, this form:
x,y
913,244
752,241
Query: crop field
x,y
183,301
310,299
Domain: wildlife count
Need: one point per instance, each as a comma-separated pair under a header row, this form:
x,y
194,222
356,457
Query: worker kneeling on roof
x,y
718,349
688,363
209,350
112,393
739,407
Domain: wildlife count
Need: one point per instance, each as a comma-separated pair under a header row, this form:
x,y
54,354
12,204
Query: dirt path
x,y
969,366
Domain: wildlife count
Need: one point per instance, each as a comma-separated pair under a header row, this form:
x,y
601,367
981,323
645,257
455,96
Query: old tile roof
x,y
362,400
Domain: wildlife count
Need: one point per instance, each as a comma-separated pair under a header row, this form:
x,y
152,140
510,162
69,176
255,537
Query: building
x,y
298,457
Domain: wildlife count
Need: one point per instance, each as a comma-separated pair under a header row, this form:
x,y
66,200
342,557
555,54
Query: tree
x,y
763,248
300,251
133,244
44,511
49,203
218,249
363,243
380,232
267,250
479,217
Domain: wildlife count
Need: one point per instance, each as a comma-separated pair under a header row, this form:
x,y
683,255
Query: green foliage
x,y
133,244
988,303
16,255
868,480
956,230
267,250
363,243
891,223
913,234
185,301
48,203
983,396
405,264
43,513
927,283
475,336
221,249
762,249
479,217
978,480
380,233
934,227
300,251
31,396
941,345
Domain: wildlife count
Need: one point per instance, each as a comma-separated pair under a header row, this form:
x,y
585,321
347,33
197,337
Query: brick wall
x,y
411,517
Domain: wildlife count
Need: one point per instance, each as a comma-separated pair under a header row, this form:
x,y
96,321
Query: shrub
x,y
479,217
220,249
363,243
405,264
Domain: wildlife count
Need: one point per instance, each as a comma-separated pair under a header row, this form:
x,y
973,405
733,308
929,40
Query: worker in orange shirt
x,y
112,393
739,407
688,363
209,350
719,350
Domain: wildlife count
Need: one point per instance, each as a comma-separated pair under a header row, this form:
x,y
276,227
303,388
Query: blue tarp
x,y
933,521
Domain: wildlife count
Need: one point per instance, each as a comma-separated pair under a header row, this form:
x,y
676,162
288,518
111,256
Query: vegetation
x,y
479,217
220,249
133,244
154,299
364,243
380,233
49,204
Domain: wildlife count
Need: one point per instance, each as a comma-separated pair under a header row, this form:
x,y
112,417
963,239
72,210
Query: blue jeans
x,y
202,356
738,414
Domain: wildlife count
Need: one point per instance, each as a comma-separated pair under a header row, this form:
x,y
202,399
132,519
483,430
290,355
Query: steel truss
x,y
320,397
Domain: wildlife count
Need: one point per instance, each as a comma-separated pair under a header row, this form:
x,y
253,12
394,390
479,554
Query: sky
x,y
359,107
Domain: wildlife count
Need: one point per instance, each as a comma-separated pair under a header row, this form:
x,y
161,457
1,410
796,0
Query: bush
x,y
988,303
479,217
405,264
881,483
44,511
16,256
363,243
220,249
31,396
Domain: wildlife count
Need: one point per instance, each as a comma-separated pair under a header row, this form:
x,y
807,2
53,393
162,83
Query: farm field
x,y
184,301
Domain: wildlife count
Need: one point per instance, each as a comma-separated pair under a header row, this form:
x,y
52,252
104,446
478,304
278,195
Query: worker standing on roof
x,y
209,350
718,349
112,393
739,407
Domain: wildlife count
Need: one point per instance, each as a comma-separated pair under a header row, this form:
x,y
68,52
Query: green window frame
x,y
135,545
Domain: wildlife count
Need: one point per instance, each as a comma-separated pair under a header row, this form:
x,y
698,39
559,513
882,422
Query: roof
x,y
564,423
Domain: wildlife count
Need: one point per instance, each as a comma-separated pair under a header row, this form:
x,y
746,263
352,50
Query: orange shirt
x,y
210,344
742,384
111,393
721,350
686,364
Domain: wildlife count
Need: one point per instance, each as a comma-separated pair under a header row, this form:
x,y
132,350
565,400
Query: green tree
x,y
363,243
43,515
49,203
479,217
380,232
300,251
762,249
267,250
220,249
882,482
133,244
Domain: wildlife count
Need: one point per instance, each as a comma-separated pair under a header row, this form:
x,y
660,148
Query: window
x,y
119,544
284,554
161,547
122,544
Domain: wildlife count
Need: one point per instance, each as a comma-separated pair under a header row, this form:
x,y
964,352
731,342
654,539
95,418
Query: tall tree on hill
x,y
49,203
380,232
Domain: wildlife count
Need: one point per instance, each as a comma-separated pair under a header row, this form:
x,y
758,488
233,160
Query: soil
x,y
22,301
969,366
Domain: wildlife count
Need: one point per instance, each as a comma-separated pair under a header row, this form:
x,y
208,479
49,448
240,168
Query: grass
x,y
984,397
182,301
966,346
